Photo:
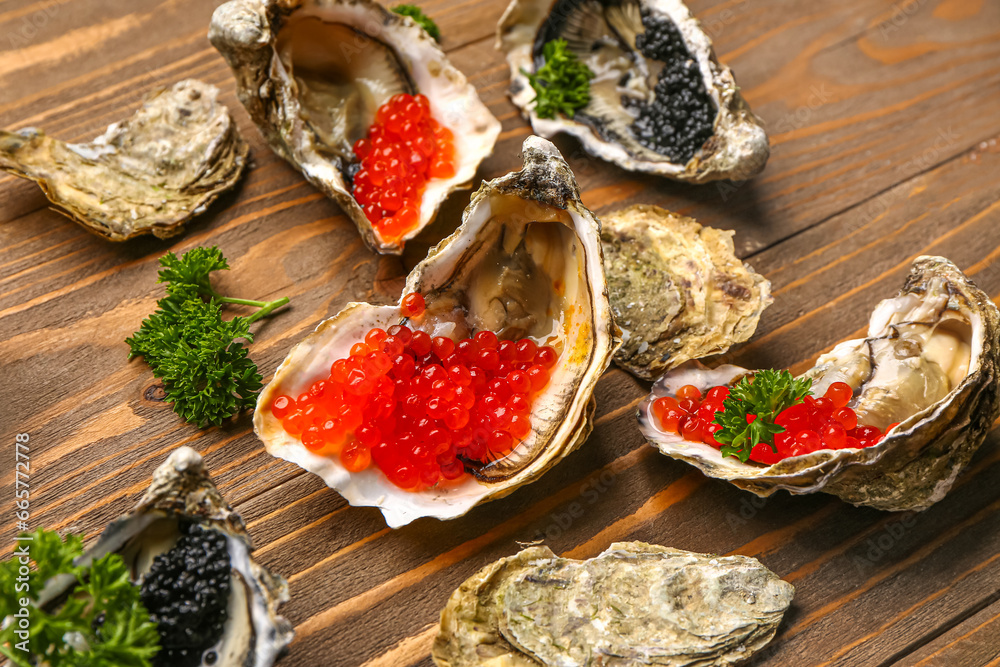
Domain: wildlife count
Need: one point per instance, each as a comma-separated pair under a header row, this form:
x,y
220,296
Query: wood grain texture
x,y
884,147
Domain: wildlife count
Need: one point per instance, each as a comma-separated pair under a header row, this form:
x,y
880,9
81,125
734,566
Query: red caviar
x,y
405,148
413,306
416,408
816,423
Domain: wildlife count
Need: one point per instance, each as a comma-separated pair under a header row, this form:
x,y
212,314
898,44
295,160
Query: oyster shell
x,y
526,262
312,73
254,634
678,291
930,361
146,175
724,142
635,604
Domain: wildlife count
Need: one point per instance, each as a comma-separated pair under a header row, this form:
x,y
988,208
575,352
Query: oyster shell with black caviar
x,y
930,364
189,553
146,175
526,262
313,73
635,604
660,102
678,291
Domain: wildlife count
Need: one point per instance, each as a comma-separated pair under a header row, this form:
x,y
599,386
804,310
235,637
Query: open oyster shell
x,y
930,361
146,175
603,35
181,490
635,604
312,73
678,291
526,262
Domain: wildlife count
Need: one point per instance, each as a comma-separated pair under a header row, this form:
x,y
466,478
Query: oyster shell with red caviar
x,y
312,74
930,361
659,102
635,604
678,291
526,262
148,174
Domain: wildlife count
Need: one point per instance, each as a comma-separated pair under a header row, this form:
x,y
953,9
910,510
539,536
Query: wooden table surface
x,y
883,117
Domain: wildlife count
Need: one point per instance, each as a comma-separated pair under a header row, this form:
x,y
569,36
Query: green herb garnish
x,y
206,373
766,395
102,623
418,15
562,84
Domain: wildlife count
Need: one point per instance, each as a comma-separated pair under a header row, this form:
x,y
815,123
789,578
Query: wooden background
x,y
883,119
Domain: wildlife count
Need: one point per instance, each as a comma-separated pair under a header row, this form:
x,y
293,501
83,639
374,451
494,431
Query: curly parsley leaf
x,y
101,623
205,369
418,15
562,84
763,396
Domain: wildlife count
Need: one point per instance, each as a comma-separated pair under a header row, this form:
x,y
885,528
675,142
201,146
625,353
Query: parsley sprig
x,y
206,372
562,84
765,395
418,15
102,623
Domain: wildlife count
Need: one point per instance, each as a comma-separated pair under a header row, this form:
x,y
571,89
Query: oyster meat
x,y
525,262
678,291
635,604
146,175
929,363
660,102
183,504
312,73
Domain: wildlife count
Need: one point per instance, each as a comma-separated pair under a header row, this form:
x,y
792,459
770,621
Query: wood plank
x,y
976,641
848,199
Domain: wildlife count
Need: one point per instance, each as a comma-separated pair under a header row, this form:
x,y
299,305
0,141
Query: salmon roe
x,y
813,424
405,148
420,408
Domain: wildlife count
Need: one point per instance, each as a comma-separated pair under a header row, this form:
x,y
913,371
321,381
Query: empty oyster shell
x,y
635,604
312,73
526,262
146,175
930,361
636,118
254,634
678,291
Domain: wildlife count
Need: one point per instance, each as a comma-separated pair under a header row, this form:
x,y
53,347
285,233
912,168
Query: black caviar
x,y
680,120
186,592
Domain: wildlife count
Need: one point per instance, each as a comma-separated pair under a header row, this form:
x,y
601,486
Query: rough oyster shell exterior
x,y
534,216
678,291
738,148
246,33
255,634
146,175
918,461
667,607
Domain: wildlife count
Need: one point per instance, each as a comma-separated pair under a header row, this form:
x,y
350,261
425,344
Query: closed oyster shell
x,y
603,34
146,175
635,604
930,361
525,262
254,635
312,73
678,291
